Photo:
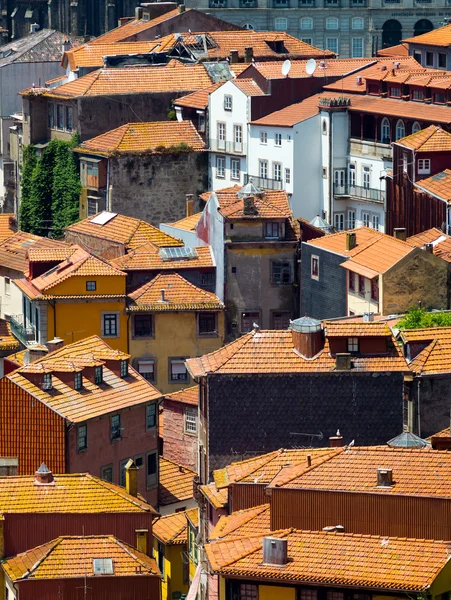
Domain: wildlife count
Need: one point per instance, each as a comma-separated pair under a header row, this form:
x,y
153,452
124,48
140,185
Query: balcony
x,y
370,148
25,334
239,148
217,4
359,193
264,183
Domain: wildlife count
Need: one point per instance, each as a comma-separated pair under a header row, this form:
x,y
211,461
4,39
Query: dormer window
x,y
353,344
395,92
273,230
47,385
98,375
439,98
124,368
228,102
417,95
78,382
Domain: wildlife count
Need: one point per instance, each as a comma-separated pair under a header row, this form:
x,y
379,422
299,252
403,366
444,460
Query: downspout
x,y
108,197
418,408
331,175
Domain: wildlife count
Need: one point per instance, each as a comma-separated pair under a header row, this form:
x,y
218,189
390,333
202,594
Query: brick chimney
x,y
34,353
351,240
343,361
189,205
43,476
131,478
55,344
248,54
400,233
249,206
307,336
336,441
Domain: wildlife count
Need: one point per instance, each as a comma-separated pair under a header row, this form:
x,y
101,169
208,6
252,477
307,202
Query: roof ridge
x,y
177,464
53,544
253,512
246,338
276,454
128,549
422,360
312,467
124,495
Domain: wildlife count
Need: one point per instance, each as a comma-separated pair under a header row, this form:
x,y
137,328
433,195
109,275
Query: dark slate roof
x,y
45,45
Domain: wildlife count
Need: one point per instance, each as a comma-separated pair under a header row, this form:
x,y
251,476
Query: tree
x,y
25,209
65,189
417,318
41,191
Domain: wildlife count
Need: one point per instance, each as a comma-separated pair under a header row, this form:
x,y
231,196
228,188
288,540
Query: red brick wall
x,y
178,445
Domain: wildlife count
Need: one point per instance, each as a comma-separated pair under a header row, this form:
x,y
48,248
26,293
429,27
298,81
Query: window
x,y
366,219
47,385
151,469
339,221
375,290
220,167
227,102
93,207
306,23
417,95
308,594
429,59
277,139
98,375
51,115
263,169
78,381
352,175
178,370
358,23
281,273
277,171
82,437
361,286
248,591
272,230
395,92
7,286
142,326
207,279
106,473
353,344
151,415
307,41
60,116
400,129
92,169
405,162
124,368
439,98
207,323
235,166
339,179
280,24
69,118
263,137
417,56
424,166
375,222
351,219
248,319
237,138
335,596
248,26
357,47
201,121
122,464
351,281
191,420
332,45
139,460
116,430
110,325
314,267
441,60
416,127
146,368
221,135
385,131
331,23
91,286
366,172
287,175
281,320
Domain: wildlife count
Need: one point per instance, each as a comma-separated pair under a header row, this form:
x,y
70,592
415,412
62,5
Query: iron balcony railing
x,y
24,333
228,147
360,192
264,183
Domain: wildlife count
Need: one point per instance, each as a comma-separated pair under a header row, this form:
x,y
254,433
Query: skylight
x,y
178,253
103,217
102,566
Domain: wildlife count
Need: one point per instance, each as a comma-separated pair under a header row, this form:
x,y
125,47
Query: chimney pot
x,y
400,233
234,56
248,54
336,441
44,476
429,248
309,460
351,240
131,478
343,361
275,551
163,299
368,317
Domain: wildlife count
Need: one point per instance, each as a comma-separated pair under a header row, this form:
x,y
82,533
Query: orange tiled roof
x,y
273,352
187,396
13,250
441,242
92,54
192,515
426,237
436,37
336,242
394,51
72,557
438,185
198,99
436,356
7,340
249,87
292,114
243,523
179,294
443,433
352,560
270,205
430,139
171,529
361,329
325,68
217,498
172,77
70,493
176,482
148,258
92,400
49,254
131,232
138,138
188,223
378,256
7,225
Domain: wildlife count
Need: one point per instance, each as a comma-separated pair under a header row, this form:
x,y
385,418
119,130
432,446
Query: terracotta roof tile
x,y
7,225
188,223
171,529
270,205
295,113
249,87
436,37
13,250
360,329
441,242
175,483
353,560
243,523
139,138
325,68
131,232
72,557
430,139
394,51
438,185
7,340
49,254
93,400
443,433
149,258
92,54
436,355
217,498
192,515
71,493
336,242
187,396
198,99
378,256
426,237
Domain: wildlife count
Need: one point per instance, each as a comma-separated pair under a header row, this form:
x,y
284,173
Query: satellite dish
x,y
310,67
286,68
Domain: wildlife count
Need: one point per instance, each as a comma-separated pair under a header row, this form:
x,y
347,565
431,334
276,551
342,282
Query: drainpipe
x,y
331,175
418,408
108,197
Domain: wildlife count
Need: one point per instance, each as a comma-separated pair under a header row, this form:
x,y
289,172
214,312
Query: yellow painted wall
x,y
110,284
272,592
175,336
173,570
442,583
356,303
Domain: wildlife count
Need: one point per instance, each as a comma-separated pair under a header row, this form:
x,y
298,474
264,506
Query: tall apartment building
x,y
350,28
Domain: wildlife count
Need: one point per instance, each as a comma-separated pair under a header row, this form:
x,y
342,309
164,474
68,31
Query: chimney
x,y
55,344
275,551
181,8
359,80
163,297
233,56
429,248
343,361
336,441
351,240
384,478
34,353
189,205
307,336
334,529
8,466
400,233
131,478
309,460
66,45
138,13
249,205
34,27
142,536
43,476
368,317
248,54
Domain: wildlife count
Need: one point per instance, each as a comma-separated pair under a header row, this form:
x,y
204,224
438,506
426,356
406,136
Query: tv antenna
x,y
310,67
286,68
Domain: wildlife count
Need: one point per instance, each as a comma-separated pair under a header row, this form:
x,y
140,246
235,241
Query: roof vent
x,y
334,529
359,80
275,551
249,190
384,478
309,460
163,297
429,248
368,317
351,240
44,476
384,68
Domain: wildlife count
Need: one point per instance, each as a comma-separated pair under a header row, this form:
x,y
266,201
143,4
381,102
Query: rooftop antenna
x,y
310,67
286,68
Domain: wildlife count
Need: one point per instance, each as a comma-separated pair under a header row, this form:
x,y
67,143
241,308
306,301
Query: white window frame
x,y
365,218
352,175
366,177
280,24
144,365
228,102
400,129
331,24
416,127
351,218
375,222
263,169
287,175
385,131
235,172
314,258
180,368
358,23
220,167
277,171
190,420
360,51
7,286
332,45
263,137
353,344
339,221
424,166
306,24
116,314
238,138
221,133
278,140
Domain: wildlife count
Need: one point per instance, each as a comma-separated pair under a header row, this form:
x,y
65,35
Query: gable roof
x,y
73,557
129,231
148,258
436,356
8,225
7,340
320,557
93,400
243,523
336,242
199,98
430,139
171,529
92,54
438,185
143,138
43,46
188,223
187,396
13,250
441,242
175,482
217,498
436,37
401,49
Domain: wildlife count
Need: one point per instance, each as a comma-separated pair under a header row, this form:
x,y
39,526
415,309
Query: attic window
x,y
278,46
124,368
47,385
78,383
102,566
98,375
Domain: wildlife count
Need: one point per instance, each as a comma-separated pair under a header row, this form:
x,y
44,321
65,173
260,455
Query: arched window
x,y
358,23
385,131
416,127
422,26
391,33
331,23
306,23
280,24
247,26
400,129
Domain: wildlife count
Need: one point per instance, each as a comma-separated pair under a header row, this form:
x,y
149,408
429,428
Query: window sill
x,y
190,433
82,450
115,440
143,337
112,337
207,335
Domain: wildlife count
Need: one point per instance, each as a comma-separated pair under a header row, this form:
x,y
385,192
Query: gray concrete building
x,y
351,28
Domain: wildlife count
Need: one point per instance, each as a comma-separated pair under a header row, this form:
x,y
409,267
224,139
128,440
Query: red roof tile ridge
x,y
250,514
239,343
178,465
129,550
296,471
136,501
418,363
51,547
254,467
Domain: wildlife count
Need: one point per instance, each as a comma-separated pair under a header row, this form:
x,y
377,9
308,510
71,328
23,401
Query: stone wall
x,y
178,445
